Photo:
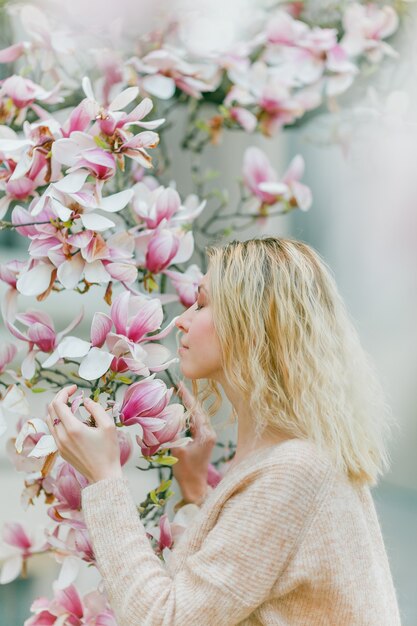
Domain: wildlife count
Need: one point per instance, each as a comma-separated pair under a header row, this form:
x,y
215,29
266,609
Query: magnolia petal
x,y
12,53
46,445
87,88
95,364
65,151
96,273
185,250
52,359
15,401
93,221
73,347
117,201
295,170
163,366
160,86
70,272
303,195
35,281
124,98
63,212
125,273
276,189
11,569
28,366
34,425
72,182
140,111
165,331
69,572
100,328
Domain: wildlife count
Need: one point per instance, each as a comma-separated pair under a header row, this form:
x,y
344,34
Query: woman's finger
x,y
65,393
95,409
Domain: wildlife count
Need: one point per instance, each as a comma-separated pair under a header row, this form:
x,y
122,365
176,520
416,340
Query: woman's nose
x,y
183,321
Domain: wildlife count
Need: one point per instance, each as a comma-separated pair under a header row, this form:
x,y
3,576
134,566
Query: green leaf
x,y
202,125
166,460
38,390
163,486
211,174
154,497
124,379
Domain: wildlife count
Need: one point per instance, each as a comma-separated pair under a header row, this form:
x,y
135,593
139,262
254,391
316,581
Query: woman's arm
x,y
229,574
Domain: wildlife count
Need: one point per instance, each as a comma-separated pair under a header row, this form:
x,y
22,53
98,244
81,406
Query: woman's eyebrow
x,y
201,287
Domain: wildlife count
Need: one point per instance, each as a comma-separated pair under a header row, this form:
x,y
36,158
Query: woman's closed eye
x,y
198,307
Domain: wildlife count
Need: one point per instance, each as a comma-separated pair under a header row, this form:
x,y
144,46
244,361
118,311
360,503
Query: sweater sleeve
x,y
232,572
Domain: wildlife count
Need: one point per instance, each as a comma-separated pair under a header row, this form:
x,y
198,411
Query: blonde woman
x,y
290,536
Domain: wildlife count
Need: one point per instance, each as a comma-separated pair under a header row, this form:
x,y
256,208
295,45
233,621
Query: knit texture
x,y
282,540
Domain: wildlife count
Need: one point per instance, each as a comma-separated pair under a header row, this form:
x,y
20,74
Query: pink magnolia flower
x,y
111,118
165,537
134,317
270,89
12,53
186,283
161,71
340,71
69,484
97,610
65,608
157,249
162,249
40,334
162,432
23,92
153,206
244,118
126,446
9,272
21,460
143,402
24,546
26,162
158,205
365,27
257,169
262,180
290,189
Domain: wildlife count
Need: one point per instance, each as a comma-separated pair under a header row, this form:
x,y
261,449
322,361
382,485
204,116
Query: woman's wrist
x,y
110,473
194,495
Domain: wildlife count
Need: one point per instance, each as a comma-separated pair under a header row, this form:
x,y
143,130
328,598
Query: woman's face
x,y
199,354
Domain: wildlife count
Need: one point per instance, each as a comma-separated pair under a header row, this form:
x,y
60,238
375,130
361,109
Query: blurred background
x,y
361,167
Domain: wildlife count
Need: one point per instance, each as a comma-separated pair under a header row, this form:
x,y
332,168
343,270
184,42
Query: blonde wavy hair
x,y
290,348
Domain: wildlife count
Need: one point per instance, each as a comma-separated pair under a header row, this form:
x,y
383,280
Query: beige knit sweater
x,y
283,540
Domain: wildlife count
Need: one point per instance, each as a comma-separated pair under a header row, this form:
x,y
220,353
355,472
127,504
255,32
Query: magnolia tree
x,y
85,181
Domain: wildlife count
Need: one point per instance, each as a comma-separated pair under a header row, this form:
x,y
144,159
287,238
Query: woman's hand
x,y
193,459
94,452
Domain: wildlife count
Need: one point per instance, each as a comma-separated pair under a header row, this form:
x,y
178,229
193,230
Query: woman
x,y
290,535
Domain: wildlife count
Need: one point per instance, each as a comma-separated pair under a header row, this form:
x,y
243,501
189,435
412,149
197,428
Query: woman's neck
x,y
247,442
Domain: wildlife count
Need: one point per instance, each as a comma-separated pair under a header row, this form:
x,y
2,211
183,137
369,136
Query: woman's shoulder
x,y
293,465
